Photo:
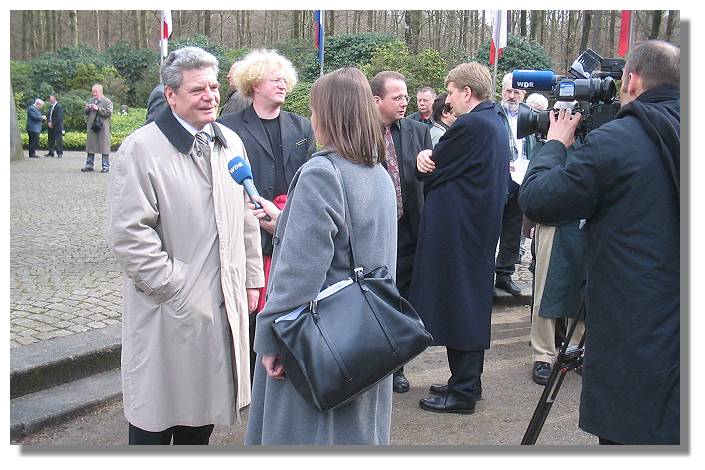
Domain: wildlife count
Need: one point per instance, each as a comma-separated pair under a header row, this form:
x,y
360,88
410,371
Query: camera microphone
x,y
241,172
542,80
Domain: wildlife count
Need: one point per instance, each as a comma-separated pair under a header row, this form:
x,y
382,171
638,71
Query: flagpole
x,y
321,40
494,74
631,32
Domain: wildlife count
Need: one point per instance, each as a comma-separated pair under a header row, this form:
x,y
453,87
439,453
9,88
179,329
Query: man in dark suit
x,y
404,139
277,142
465,184
235,100
156,103
55,123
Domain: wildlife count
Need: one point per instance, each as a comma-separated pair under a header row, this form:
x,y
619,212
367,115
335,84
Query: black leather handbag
x,y
97,125
353,335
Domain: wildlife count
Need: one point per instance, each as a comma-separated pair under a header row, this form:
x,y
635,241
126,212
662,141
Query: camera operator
x,y
624,181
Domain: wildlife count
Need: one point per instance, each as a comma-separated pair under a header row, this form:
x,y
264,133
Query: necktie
x,y
393,168
202,144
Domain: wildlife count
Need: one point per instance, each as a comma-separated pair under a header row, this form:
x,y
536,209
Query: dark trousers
x,y
253,354
465,373
182,435
56,141
510,237
406,250
33,143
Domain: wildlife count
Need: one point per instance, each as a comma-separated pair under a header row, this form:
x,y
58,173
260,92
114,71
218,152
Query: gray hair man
x,y
189,246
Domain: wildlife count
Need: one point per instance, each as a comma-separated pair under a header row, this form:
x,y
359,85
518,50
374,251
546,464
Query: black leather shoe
x,y
400,383
447,403
440,389
86,169
542,371
104,170
48,154
34,156
508,286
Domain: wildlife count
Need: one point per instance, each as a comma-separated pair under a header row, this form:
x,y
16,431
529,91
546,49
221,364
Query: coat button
x,y
275,240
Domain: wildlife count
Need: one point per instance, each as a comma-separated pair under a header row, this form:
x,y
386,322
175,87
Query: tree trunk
x,y
330,22
136,25
534,22
569,37
370,20
26,25
522,24
106,30
207,23
412,30
670,25
143,29
73,27
15,139
655,24
587,26
611,33
296,24
597,32
97,29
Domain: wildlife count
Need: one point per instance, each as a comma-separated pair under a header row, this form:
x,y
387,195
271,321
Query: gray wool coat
x,y
311,253
99,142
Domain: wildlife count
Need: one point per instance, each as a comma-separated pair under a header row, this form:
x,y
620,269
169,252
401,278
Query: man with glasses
x,y
510,239
277,142
404,138
424,100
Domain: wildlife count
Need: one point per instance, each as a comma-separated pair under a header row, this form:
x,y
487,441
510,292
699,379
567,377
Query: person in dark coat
x,y
235,101
625,181
403,140
55,128
452,286
156,103
34,126
277,142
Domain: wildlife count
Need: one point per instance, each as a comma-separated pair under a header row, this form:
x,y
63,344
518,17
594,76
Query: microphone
x,y
241,172
543,80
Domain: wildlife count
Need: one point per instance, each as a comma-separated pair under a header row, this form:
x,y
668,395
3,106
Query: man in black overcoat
x,y
403,140
625,181
465,183
55,128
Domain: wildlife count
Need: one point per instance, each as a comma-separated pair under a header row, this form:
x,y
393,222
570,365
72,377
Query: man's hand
x,y
563,127
424,163
273,366
268,209
252,300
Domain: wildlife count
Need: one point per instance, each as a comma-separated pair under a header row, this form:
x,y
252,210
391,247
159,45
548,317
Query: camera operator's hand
x,y
563,127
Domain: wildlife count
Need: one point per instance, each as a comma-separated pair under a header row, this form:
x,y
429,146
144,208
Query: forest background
x,y
65,51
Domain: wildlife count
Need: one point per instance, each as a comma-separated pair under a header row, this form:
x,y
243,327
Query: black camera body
x,y
591,86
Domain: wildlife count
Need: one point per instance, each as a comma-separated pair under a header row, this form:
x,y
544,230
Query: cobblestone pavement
x,y
63,278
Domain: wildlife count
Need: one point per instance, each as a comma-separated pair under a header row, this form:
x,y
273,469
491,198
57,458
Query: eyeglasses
x,y
279,81
398,99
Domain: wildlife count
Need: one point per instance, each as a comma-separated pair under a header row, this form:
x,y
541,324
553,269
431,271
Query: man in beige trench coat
x,y
190,248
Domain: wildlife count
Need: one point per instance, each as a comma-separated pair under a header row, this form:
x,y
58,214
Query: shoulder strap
x,y
357,271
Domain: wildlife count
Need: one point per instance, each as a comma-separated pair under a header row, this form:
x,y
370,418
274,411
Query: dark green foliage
x,y
298,100
302,55
74,114
131,64
353,49
145,86
427,68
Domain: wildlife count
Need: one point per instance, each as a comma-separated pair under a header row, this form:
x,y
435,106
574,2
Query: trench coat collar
x,y
180,137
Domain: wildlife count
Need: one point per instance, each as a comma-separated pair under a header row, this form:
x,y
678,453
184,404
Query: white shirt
x,y
208,129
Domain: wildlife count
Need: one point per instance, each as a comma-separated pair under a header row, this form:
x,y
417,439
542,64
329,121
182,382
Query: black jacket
x,y
621,180
56,118
298,144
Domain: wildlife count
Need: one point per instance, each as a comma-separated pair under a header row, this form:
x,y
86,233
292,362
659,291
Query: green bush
x,y
302,55
132,65
298,100
353,49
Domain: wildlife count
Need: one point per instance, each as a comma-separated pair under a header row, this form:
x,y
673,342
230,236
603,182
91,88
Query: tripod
x,y
569,358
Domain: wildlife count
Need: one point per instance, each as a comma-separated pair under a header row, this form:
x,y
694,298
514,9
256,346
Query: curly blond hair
x,y
259,63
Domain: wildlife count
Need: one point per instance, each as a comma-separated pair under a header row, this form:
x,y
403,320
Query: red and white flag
x,y
166,30
499,34
625,33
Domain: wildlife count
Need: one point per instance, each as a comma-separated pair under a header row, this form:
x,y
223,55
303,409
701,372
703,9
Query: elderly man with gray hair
x,y
34,126
190,249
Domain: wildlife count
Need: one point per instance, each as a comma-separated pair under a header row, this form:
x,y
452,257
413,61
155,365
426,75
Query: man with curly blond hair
x,y
277,142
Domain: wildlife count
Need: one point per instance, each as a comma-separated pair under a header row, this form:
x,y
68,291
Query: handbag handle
x,y
357,271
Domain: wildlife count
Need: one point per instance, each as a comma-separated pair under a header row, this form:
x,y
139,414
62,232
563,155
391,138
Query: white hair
x,y
537,101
